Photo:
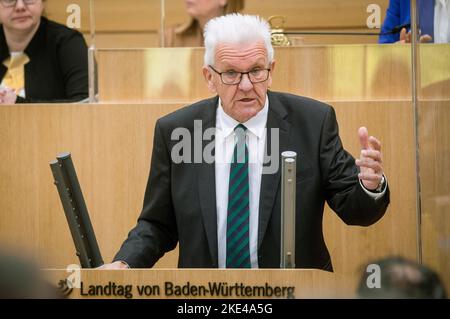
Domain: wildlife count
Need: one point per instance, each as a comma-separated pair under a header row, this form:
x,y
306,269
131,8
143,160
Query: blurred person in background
x,y
20,278
200,12
40,60
401,278
433,21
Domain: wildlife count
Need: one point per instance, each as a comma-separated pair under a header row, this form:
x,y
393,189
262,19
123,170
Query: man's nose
x,y
19,4
245,84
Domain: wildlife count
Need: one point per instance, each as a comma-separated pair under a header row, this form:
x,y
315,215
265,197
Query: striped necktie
x,y
238,250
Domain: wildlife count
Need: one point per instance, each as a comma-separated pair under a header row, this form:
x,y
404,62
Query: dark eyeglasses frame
x,y
13,3
241,75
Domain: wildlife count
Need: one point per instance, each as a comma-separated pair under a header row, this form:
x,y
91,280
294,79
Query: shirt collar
x,y
255,125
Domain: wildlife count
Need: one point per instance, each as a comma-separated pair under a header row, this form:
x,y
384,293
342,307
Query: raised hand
x,y
370,160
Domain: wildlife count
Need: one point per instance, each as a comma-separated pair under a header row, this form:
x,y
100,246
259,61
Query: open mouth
x,y
247,100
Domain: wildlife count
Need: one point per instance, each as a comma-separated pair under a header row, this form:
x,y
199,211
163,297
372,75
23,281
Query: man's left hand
x,y
370,160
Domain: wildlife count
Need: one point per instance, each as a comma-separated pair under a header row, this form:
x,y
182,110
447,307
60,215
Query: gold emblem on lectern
x,y
278,37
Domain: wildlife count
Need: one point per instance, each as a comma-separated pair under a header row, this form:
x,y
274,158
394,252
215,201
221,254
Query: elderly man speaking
x,y
226,213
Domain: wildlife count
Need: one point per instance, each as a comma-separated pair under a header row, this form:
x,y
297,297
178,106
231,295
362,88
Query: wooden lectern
x,y
201,283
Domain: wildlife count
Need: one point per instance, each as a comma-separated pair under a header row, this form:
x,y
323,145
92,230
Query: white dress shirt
x,y
225,141
224,146
442,21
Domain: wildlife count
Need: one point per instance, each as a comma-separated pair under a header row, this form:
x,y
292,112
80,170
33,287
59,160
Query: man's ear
x,y
209,79
272,67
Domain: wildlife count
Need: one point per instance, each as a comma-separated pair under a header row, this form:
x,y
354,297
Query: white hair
x,y
236,28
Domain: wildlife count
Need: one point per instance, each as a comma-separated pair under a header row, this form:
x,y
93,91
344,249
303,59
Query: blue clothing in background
x,y
399,12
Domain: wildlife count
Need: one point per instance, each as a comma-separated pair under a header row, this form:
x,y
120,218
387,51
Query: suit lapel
x,y
207,183
271,182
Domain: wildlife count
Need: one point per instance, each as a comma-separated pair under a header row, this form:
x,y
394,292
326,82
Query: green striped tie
x,y
238,251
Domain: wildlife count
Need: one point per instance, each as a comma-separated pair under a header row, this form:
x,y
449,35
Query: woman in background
x,y
40,60
201,11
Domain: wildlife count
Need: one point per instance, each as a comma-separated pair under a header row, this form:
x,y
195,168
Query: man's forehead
x,y
227,52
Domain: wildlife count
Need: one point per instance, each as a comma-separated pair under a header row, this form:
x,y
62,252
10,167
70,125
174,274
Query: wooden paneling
x,y
339,72
143,17
434,156
111,147
306,14
395,233
126,40
115,15
434,71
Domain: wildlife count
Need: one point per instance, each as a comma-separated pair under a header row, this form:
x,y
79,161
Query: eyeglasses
x,y
12,3
234,77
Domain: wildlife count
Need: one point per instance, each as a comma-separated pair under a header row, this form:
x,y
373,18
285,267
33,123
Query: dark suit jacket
x,y
399,12
58,67
180,204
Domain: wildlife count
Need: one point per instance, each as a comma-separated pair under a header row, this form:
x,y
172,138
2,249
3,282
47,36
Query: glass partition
x,y
120,24
302,21
433,134
302,32
340,72
115,26
327,50
333,73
